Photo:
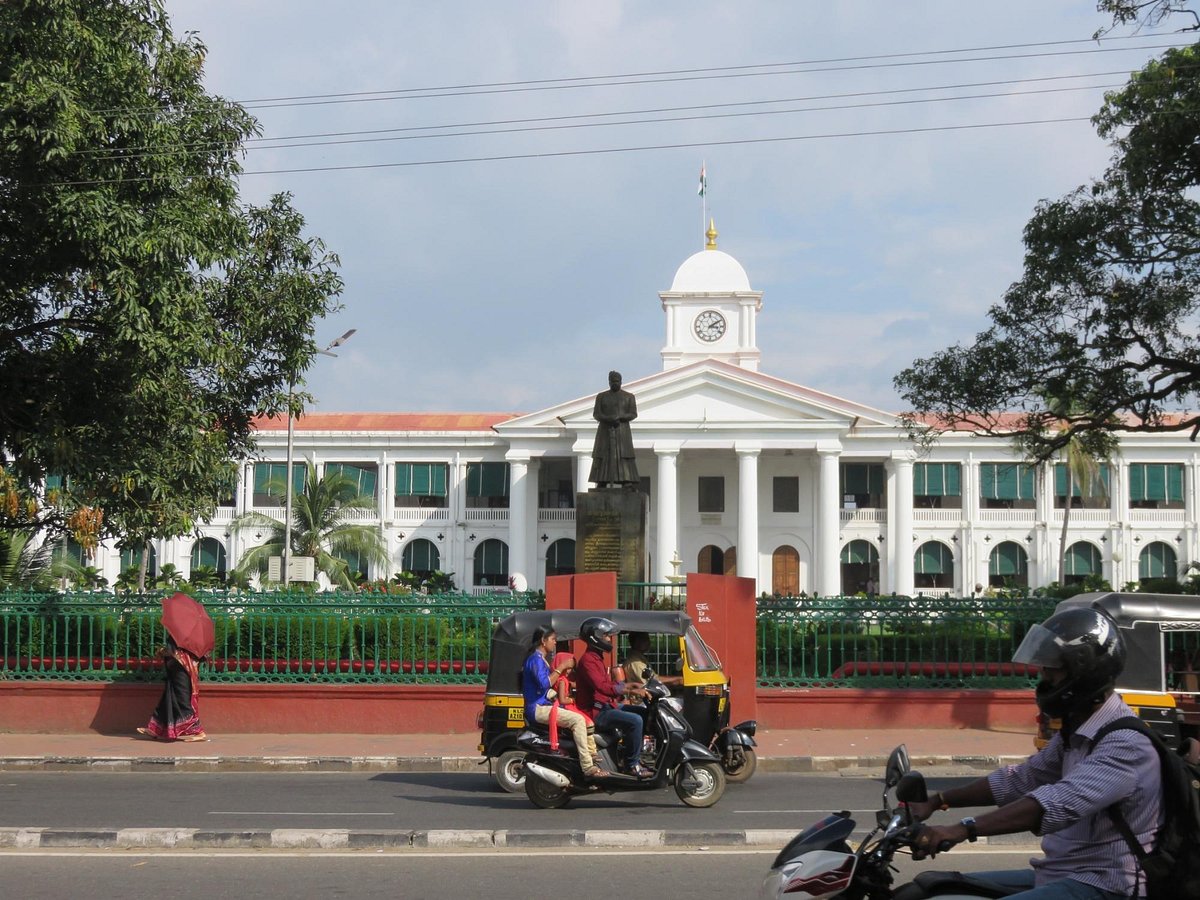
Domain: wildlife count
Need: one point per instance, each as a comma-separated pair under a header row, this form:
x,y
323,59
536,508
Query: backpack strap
x,y
1126,723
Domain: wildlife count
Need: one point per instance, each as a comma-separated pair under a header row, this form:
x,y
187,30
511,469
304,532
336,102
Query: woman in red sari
x,y
176,718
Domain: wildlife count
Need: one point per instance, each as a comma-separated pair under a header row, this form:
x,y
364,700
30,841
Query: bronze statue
x,y
612,453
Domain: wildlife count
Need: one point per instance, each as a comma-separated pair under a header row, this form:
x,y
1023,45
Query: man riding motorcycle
x,y
596,694
1063,791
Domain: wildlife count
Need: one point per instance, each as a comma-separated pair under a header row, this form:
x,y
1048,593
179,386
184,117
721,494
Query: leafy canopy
x,y
146,315
1105,314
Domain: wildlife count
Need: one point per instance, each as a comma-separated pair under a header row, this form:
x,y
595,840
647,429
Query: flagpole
x,y
703,201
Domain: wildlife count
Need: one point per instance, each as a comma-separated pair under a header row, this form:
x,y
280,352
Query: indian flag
x,y
703,182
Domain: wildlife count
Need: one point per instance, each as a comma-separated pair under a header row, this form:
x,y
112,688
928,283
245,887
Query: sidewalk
x,y
837,752
808,750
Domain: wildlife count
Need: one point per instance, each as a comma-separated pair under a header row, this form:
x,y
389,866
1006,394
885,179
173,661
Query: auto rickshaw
x,y
676,646
1161,680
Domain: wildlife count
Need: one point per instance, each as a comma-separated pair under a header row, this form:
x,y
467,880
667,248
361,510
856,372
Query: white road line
x,y
227,812
401,853
802,812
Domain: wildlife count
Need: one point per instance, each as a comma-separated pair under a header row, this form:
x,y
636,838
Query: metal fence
x,y
445,638
895,641
295,638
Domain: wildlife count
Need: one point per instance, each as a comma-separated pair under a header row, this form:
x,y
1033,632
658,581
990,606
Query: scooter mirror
x,y
897,765
911,788
883,818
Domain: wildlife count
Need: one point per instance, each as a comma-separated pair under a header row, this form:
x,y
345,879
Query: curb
x,y
862,766
352,839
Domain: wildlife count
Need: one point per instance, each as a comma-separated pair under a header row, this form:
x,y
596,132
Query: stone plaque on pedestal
x,y
610,532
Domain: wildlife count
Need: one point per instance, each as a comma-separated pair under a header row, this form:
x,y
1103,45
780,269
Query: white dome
x,y
710,271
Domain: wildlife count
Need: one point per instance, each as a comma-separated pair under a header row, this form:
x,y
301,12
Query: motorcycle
x,y
553,777
819,862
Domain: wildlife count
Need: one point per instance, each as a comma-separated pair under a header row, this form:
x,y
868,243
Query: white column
x,y
666,506
902,498
518,520
247,498
828,580
747,541
583,468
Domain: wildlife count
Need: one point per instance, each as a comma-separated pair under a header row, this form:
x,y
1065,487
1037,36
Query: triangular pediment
x,y
715,396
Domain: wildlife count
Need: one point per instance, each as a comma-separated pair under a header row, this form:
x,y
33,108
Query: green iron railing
x,y
896,642
297,638
259,638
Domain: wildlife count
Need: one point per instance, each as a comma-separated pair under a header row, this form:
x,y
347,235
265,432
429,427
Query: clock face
x,y
709,325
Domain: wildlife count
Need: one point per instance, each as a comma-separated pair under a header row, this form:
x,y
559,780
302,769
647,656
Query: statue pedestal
x,y
610,532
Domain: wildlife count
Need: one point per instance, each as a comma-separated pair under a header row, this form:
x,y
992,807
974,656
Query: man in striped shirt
x,y
1063,791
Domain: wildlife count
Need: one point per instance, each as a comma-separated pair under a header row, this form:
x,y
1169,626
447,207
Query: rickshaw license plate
x,y
516,714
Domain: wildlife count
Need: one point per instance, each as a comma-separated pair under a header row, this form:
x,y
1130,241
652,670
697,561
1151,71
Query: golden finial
x,y
711,234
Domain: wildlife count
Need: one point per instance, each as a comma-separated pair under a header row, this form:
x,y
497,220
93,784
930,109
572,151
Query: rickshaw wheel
x,y
711,784
544,795
510,771
741,766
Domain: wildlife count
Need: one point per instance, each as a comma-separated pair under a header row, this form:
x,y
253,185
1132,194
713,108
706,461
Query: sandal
x,y
596,772
192,738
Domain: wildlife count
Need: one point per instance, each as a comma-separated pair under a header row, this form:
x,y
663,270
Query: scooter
x,y
553,777
735,744
819,862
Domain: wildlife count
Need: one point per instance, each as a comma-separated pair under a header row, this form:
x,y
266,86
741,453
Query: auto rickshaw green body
x,y
1161,679
705,689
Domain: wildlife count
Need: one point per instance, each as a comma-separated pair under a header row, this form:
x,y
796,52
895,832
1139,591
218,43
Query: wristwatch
x,y
969,824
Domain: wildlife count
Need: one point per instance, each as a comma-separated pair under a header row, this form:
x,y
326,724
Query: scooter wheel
x,y
741,767
703,790
545,795
510,771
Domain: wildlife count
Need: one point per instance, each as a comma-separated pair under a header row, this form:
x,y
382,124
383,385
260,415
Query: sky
x,y
511,271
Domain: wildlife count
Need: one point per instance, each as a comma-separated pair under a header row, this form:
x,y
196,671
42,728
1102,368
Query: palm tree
x,y
319,528
1084,456
36,565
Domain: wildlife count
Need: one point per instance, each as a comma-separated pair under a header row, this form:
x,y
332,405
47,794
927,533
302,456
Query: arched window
x,y
491,563
208,552
933,566
132,559
1157,560
1008,565
860,568
785,572
710,560
729,561
560,557
1082,560
71,549
421,557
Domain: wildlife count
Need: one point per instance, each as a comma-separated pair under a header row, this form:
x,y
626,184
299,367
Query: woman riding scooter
x,y
596,693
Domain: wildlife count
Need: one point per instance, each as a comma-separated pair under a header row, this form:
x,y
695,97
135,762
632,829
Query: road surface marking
x,y
227,812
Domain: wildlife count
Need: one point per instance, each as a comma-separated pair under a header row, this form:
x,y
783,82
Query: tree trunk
x,y
142,566
1062,541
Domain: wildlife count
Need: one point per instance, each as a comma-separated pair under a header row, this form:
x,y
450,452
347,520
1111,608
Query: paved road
x,y
408,801
694,875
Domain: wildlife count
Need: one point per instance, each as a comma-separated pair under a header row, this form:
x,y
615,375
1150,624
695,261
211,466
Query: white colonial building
x,y
746,473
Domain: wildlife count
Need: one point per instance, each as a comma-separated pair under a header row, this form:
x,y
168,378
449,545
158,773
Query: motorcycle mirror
x,y
911,788
883,818
897,765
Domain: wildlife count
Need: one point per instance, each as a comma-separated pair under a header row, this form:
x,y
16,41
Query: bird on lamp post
x,y
287,506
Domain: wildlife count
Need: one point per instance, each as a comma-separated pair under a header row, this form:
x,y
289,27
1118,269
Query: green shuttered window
x,y
862,478
421,479
1007,560
363,477
937,480
487,479
932,558
1156,481
1157,561
1006,481
269,479
420,555
1099,486
1082,559
859,552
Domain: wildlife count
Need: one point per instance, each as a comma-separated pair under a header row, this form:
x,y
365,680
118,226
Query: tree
x,y
1105,309
146,315
320,528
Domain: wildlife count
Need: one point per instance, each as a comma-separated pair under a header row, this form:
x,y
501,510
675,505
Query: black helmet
x,y
598,632
1084,643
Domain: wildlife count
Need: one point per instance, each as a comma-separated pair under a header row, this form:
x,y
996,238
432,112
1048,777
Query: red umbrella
x,y
189,624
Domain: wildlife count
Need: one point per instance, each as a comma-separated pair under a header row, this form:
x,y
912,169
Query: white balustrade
x,y
487,515
550,514
863,516
1008,516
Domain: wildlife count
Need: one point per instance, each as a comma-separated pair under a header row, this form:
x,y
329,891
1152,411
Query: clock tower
x,y
711,311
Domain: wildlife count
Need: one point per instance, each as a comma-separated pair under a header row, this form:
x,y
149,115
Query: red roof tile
x,y
430,421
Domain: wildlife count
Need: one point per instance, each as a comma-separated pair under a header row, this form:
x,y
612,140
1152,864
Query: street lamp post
x,y
287,506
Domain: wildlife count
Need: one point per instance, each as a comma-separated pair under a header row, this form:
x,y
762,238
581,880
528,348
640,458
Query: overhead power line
x,y
600,79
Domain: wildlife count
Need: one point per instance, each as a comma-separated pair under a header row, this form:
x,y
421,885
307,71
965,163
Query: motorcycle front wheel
x,y
704,789
543,794
740,766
